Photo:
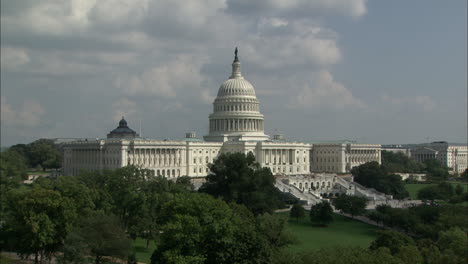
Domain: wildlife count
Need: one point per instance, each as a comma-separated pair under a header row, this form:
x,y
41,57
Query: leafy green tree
x,y
98,184
350,204
321,213
391,240
37,221
410,255
428,193
399,162
464,175
453,244
372,175
99,235
198,228
185,182
273,228
435,170
297,211
337,255
12,173
238,178
459,190
429,251
43,153
125,186
442,191
12,167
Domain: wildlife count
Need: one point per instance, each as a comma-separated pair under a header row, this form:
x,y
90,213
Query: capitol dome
x,y
236,87
236,110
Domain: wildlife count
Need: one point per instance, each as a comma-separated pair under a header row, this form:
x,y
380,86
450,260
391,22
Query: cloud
x,y
324,92
297,8
135,57
29,115
49,17
180,75
422,101
124,108
12,58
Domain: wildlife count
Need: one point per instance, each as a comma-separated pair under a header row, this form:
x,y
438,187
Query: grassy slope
x,y
413,188
343,231
143,254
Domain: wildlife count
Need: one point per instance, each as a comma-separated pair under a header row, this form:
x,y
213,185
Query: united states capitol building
x,y
235,125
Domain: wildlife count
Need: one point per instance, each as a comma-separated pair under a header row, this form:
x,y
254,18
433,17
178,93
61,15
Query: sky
x,y
386,72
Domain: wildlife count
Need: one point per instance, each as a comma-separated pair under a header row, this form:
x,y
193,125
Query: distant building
x,y
397,149
341,157
236,125
452,155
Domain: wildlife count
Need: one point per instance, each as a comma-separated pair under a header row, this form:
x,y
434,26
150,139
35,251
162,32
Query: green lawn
x,y
342,232
143,254
413,188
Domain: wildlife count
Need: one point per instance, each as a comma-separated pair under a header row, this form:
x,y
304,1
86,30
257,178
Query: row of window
x,y
242,107
317,185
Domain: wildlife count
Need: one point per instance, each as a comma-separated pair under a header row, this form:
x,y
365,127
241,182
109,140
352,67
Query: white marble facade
x,y
236,125
454,156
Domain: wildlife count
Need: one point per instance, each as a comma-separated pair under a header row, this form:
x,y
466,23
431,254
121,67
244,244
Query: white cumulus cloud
x,y
323,91
29,114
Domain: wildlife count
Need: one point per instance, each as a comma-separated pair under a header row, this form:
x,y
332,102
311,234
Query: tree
x,y
399,162
12,173
125,187
409,255
428,193
100,235
37,221
391,240
238,178
436,171
372,175
273,228
442,191
321,213
337,255
453,244
464,175
197,228
459,190
43,153
349,204
297,211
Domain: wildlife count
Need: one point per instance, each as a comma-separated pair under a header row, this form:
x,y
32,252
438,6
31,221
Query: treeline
x,y
444,191
41,154
389,248
399,162
424,221
97,214
374,175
